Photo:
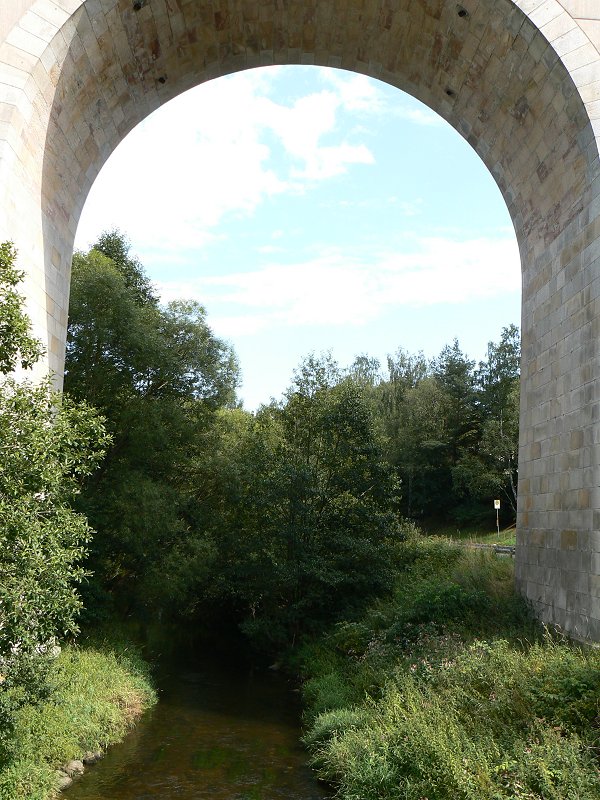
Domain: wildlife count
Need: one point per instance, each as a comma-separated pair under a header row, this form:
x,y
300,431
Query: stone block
x,y
75,78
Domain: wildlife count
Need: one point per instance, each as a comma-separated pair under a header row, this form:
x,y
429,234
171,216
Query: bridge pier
x,y
519,80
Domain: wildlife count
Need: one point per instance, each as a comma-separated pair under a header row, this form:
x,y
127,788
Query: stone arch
x,y
519,79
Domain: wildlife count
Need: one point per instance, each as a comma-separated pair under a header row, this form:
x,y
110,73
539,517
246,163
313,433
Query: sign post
x,y
497,507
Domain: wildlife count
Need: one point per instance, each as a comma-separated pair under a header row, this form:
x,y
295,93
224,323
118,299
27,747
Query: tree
x,y
420,447
158,374
490,470
452,430
115,246
122,343
47,447
455,374
17,347
498,375
366,370
499,381
309,527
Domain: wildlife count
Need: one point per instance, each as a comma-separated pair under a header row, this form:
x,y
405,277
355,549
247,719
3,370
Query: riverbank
x,y
222,730
449,691
99,693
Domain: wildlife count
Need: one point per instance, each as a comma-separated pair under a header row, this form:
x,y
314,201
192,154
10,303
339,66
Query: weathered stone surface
x,y
74,767
63,781
519,80
93,758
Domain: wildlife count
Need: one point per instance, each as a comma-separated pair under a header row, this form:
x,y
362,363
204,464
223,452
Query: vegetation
x,y
302,507
48,447
53,705
446,690
425,676
279,521
97,693
157,375
452,429
285,519
17,347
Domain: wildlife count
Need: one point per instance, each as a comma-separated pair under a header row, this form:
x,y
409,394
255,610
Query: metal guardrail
x,y
500,549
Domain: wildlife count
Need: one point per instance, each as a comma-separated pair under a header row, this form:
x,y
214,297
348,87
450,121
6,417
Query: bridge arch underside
x,y
81,75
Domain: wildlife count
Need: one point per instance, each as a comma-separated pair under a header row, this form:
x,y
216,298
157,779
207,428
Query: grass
x,y
99,693
476,534
450,691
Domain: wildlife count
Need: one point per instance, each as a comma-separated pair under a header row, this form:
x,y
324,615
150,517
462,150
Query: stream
x,y
215,733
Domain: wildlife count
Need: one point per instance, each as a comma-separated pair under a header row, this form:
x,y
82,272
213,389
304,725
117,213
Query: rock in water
x,y
64,781
74,767
91,758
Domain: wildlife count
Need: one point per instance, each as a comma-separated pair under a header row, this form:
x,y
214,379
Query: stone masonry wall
x,y
519,80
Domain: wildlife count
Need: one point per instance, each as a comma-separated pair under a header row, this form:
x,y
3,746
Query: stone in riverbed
x,y
64,781
91,758
74,767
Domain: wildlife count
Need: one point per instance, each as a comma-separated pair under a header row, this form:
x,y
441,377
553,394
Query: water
x,y
214,734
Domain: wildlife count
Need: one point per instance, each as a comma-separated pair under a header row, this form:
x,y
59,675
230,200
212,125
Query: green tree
x,y
309,525
420,446
158,374
491,470
455,374
47,447
115,246
452,429
499,373
17,347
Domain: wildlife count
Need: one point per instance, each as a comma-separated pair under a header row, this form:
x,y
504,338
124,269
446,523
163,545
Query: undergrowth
x,y
449,691
98,693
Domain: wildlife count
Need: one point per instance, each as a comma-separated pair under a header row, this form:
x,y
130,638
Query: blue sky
x,y
312,209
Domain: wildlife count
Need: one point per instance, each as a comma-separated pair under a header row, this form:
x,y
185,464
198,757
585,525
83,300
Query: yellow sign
x,y
496,504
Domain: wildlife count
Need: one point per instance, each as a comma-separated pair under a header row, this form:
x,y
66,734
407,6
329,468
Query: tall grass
x,y
449,691
99,692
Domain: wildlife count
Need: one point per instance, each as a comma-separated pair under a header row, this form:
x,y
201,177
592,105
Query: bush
x,y
453,693
327,692
98,693
49,445
333,723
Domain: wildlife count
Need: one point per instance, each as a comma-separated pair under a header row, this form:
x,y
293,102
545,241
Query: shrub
x,y
452,693
98,692
333,723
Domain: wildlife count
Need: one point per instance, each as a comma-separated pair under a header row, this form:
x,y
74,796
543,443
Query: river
x,y
218,733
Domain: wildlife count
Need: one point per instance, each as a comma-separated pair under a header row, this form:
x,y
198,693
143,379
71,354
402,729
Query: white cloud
x,y
359,93
213,151
408,208
419,116
356,92
338,288
269,249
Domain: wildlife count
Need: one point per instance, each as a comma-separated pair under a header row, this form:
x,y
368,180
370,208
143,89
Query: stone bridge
x,y
519,79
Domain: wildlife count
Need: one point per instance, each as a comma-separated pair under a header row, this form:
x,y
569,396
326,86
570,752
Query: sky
x,y
313,210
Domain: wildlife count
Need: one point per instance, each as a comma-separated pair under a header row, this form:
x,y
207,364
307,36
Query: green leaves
x,y
46,449
121,344
158,374
17,347
452,429
48,445
309,530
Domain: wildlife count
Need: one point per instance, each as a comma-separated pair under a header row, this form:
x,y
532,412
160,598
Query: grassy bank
x,y
448,691
99,692
474,534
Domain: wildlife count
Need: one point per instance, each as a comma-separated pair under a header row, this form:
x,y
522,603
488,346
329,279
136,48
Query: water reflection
x,y
216,733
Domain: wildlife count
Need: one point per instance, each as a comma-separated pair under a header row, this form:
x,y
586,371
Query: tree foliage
x,y
299,505
158,374
452,428
47,447
17,347
281,519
